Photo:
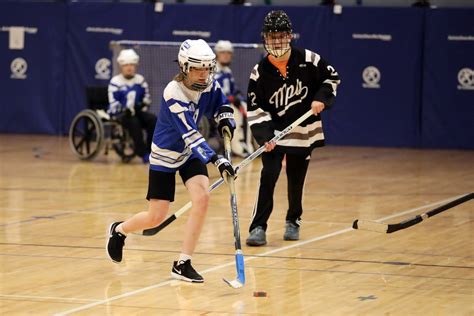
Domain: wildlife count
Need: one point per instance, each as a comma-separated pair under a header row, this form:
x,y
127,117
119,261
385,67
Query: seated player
x,y
179,147
129,100
242,141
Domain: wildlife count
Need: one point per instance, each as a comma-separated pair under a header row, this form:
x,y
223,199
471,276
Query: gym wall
x,y
407,73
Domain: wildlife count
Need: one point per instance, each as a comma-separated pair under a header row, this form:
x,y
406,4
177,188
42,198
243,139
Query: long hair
x,y
179,77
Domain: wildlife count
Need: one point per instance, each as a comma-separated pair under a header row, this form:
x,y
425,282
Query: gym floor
x,y
55,209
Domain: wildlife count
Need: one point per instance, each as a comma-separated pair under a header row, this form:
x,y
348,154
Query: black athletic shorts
x,y
161,185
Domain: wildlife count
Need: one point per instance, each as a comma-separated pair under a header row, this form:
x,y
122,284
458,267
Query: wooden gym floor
x,y
54,210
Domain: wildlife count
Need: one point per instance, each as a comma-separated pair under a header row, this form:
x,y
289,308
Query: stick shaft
x,y
215,185
390,228
419,218
239,259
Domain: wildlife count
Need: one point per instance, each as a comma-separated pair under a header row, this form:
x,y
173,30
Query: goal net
x,y
158,63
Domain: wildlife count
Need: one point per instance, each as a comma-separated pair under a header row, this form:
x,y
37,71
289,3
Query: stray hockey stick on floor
x,y
390,228
239,257
242,164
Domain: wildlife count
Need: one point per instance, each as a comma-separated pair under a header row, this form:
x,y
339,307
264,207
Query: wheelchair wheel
x,y
86,135
204,127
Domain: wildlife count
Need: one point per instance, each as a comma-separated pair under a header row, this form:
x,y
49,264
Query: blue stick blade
x,y
239,259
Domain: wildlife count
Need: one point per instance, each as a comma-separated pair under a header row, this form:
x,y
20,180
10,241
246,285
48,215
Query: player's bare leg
x,y
198,189
157,210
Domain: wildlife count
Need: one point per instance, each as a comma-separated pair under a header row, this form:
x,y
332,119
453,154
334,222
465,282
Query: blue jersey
x,y
126,93
226,79
176,138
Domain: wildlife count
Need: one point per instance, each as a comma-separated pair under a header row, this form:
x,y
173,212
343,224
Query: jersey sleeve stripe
x,y
254,75
259,120
169,153
333,84
192,138
197,143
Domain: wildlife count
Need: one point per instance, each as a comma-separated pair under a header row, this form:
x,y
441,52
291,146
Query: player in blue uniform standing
x,y
129,100
179,147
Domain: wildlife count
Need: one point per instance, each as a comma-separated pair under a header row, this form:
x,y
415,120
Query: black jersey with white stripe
x,y
275,101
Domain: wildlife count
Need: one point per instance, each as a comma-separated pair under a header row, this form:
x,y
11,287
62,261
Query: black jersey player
x,y
283,86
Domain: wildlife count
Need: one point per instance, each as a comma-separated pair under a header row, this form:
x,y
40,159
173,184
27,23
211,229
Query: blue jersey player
x,y
179,147
129,100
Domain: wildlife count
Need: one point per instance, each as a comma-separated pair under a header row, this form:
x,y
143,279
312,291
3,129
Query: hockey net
x,y
158,63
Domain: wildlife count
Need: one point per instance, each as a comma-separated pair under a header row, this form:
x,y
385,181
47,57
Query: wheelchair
x,y
93,130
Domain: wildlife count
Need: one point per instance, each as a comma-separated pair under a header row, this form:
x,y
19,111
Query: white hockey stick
x,y
239,257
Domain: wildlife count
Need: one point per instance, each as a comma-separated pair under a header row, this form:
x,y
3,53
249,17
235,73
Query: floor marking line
x,y
161,284
51,298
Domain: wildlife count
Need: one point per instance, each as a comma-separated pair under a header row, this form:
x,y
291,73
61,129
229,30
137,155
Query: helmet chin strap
x,y
195,85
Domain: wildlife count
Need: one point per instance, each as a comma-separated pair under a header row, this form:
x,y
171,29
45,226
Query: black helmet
x,y
277,33
277,21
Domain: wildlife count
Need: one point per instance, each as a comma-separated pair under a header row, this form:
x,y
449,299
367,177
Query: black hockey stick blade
x,y
155,230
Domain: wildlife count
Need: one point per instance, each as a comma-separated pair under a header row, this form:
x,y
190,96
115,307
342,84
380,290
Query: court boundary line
x,y
50,298
161,284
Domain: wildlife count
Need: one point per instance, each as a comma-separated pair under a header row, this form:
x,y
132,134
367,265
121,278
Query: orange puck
x,y
260,294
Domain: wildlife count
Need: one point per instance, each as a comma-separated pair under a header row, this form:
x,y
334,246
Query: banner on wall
x,y
379,61
176,23
91,27
448,79
31,67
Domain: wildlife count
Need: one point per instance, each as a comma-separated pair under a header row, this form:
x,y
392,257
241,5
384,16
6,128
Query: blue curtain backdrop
x,y
32,77
407,73
379,60
448,79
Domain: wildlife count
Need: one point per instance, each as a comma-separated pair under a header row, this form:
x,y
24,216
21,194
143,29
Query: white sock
x,y
119,229
183,257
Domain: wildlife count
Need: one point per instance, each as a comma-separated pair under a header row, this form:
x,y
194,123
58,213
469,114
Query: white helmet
x,y
197,54
224,46
128,56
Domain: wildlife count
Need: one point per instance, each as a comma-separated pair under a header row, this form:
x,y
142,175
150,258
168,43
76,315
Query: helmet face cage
x,y
193,63
277,33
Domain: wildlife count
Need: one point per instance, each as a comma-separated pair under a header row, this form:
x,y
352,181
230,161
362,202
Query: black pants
x,y
134,125
296,168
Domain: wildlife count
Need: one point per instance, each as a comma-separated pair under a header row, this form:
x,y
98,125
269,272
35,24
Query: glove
x,y
225,118
224,166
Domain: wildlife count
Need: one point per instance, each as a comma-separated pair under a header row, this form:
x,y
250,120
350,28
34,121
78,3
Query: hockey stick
x,y
239,257
390,228
215,185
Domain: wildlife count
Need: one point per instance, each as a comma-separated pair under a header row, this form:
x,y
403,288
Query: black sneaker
x,y
185,271
115,243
